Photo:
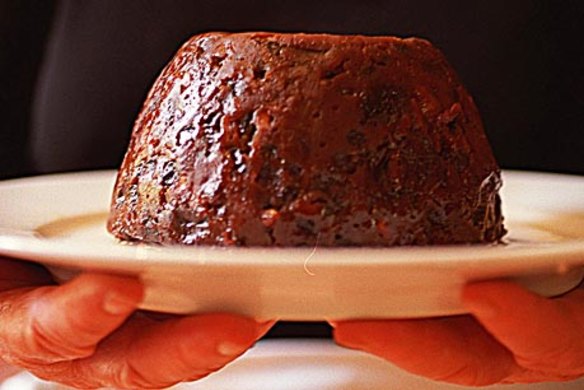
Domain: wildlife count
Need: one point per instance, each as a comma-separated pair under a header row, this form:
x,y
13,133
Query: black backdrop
x,y
73,74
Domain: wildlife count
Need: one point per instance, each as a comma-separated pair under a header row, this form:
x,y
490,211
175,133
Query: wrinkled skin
x,y
512,336
87,333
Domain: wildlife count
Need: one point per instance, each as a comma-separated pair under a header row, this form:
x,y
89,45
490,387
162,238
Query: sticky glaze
x,y
293,139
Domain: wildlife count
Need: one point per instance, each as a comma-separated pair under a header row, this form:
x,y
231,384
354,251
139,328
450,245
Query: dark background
x,y
73,74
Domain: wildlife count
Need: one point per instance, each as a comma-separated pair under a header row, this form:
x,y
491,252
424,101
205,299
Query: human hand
x,y
85,333
513,336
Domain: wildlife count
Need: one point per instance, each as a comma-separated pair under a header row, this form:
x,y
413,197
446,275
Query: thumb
x,y
50,324
545,335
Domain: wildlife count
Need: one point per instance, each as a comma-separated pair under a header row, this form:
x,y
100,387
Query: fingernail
x,y
229,349
334,324
116,304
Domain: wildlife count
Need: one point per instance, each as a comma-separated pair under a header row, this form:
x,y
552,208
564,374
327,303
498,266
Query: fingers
x,y
79,334
146,353
55,323
192,347
545,335
455,350
517,336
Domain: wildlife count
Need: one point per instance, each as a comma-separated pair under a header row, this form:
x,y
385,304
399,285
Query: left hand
x,y
513,336
86,333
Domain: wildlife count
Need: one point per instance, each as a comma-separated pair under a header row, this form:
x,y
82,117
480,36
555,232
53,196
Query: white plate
x,y
307,365
59,220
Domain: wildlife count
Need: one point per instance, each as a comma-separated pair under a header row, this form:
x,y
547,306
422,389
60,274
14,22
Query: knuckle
x,y
66,373
568,360
80,375
25,342
50,345
52,372
76,383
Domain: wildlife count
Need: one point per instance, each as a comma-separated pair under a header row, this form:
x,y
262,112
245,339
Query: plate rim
x,y
50,251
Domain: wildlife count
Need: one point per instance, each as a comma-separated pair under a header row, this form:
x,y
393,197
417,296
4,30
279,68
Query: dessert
x,y
259,139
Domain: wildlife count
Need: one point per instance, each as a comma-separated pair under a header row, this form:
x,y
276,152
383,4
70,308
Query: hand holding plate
x,y
513,336
87,334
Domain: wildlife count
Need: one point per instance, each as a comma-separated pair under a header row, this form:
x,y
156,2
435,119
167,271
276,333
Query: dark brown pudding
x,y
294,139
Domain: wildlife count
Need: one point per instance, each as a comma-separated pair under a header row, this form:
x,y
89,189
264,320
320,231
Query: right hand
x,y
86,333
513,336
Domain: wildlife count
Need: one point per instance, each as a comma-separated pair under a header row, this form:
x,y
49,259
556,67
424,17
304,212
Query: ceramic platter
x,y
59,220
